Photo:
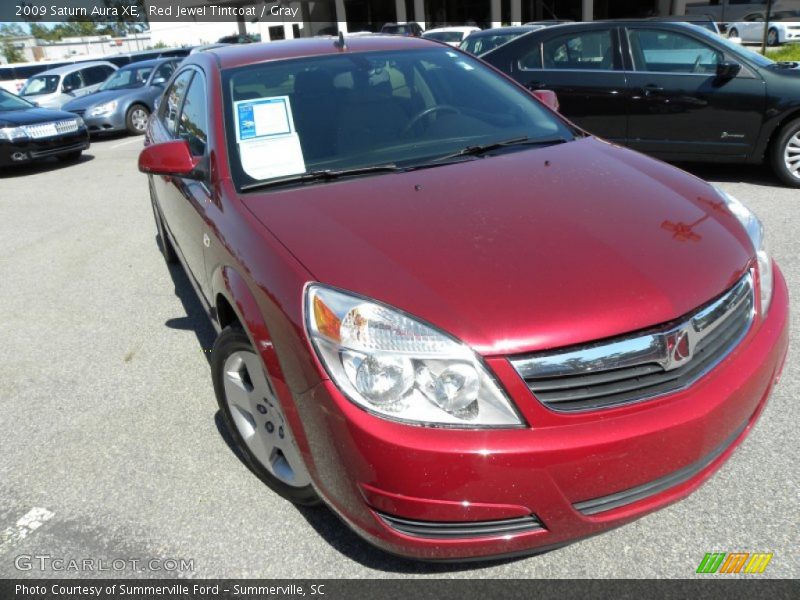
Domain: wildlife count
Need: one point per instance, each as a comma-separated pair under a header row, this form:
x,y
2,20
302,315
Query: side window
x,y
531,60
73,81
193,121
164,72
168,110
672,52
95,75
580,51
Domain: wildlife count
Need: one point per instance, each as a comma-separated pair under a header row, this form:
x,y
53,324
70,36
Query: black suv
x,y
673,90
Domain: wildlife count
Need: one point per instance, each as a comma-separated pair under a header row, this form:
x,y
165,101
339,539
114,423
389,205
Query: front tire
x,y
255,419
136,119
164,245
786,154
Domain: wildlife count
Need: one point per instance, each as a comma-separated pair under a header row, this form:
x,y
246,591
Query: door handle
x,y
652,88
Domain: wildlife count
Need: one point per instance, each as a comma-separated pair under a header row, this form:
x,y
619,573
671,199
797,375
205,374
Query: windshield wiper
x,y
323,175
517,141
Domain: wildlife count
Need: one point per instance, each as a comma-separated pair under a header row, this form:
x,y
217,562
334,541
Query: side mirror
x,y
67,88
548,98
728,69
171,158
159,81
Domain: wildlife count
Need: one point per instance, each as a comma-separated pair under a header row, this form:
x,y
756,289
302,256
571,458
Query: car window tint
x,y
193,120
168,112
73,81
95,75
533,58
672,52
582,50
164,71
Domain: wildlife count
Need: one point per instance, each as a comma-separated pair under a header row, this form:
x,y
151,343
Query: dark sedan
x,y
28,132
126,99
672,90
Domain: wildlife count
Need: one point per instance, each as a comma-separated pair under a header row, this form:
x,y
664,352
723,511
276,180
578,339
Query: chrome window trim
x,y
653,347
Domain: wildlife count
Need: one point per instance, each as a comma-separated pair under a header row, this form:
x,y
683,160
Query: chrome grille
x,y
645,365
43,130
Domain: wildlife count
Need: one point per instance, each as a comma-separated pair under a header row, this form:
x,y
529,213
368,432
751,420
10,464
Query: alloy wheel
x,y
259,419
791,155
139,119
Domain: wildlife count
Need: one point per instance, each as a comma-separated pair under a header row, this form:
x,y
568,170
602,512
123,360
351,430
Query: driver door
x,y
679,108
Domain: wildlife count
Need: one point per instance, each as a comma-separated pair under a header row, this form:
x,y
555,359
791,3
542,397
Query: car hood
x,y
96,98
526,251
26,116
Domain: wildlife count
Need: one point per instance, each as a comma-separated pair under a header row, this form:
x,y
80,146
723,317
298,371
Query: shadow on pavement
x,y
42,166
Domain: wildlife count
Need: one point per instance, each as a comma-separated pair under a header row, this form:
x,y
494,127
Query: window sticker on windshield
x,y
269,146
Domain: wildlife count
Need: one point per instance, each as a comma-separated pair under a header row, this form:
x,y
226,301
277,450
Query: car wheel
x,y
164,245
733,32
255,418
772,37
136,119
786,154
71,156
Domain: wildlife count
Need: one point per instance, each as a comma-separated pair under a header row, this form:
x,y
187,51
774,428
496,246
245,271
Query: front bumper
x,y
442,494
103,124
26,150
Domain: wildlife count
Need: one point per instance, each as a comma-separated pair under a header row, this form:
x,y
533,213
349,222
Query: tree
x,y
11,30
12,53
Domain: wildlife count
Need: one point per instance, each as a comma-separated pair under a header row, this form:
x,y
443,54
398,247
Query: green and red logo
x,y
734,562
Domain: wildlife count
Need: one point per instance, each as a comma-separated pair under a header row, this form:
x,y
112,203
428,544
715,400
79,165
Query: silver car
x,y
53,88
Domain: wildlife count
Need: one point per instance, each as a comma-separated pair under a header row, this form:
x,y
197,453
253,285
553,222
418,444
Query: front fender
x,y
228,283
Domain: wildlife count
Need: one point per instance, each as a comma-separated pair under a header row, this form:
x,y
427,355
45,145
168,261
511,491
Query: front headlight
x,y
755,229
79,122
12,133
399,368
103,109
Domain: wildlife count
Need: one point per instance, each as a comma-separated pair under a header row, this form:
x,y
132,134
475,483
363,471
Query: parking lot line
x,y
125,143
26,524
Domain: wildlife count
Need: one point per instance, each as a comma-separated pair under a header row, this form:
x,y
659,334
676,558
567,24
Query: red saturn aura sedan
x,y
465,325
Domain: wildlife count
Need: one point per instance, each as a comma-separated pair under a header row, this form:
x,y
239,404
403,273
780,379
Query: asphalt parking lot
x,y
112,448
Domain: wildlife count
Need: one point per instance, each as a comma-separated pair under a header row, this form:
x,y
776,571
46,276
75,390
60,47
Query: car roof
x,y
71,68
502,30
244,54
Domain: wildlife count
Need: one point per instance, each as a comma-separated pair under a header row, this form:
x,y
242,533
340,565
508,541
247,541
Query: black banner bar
x,y
714,587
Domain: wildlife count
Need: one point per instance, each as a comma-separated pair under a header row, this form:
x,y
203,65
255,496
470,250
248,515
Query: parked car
x,y
28,132
724,11
446,311
410,29
55,87
449,35
671,90
481,42
125,101
784,26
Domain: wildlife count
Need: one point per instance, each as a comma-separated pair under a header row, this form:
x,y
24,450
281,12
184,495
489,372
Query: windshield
x,y
129,77
445,36
41,84
352,111
11,102
482,44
